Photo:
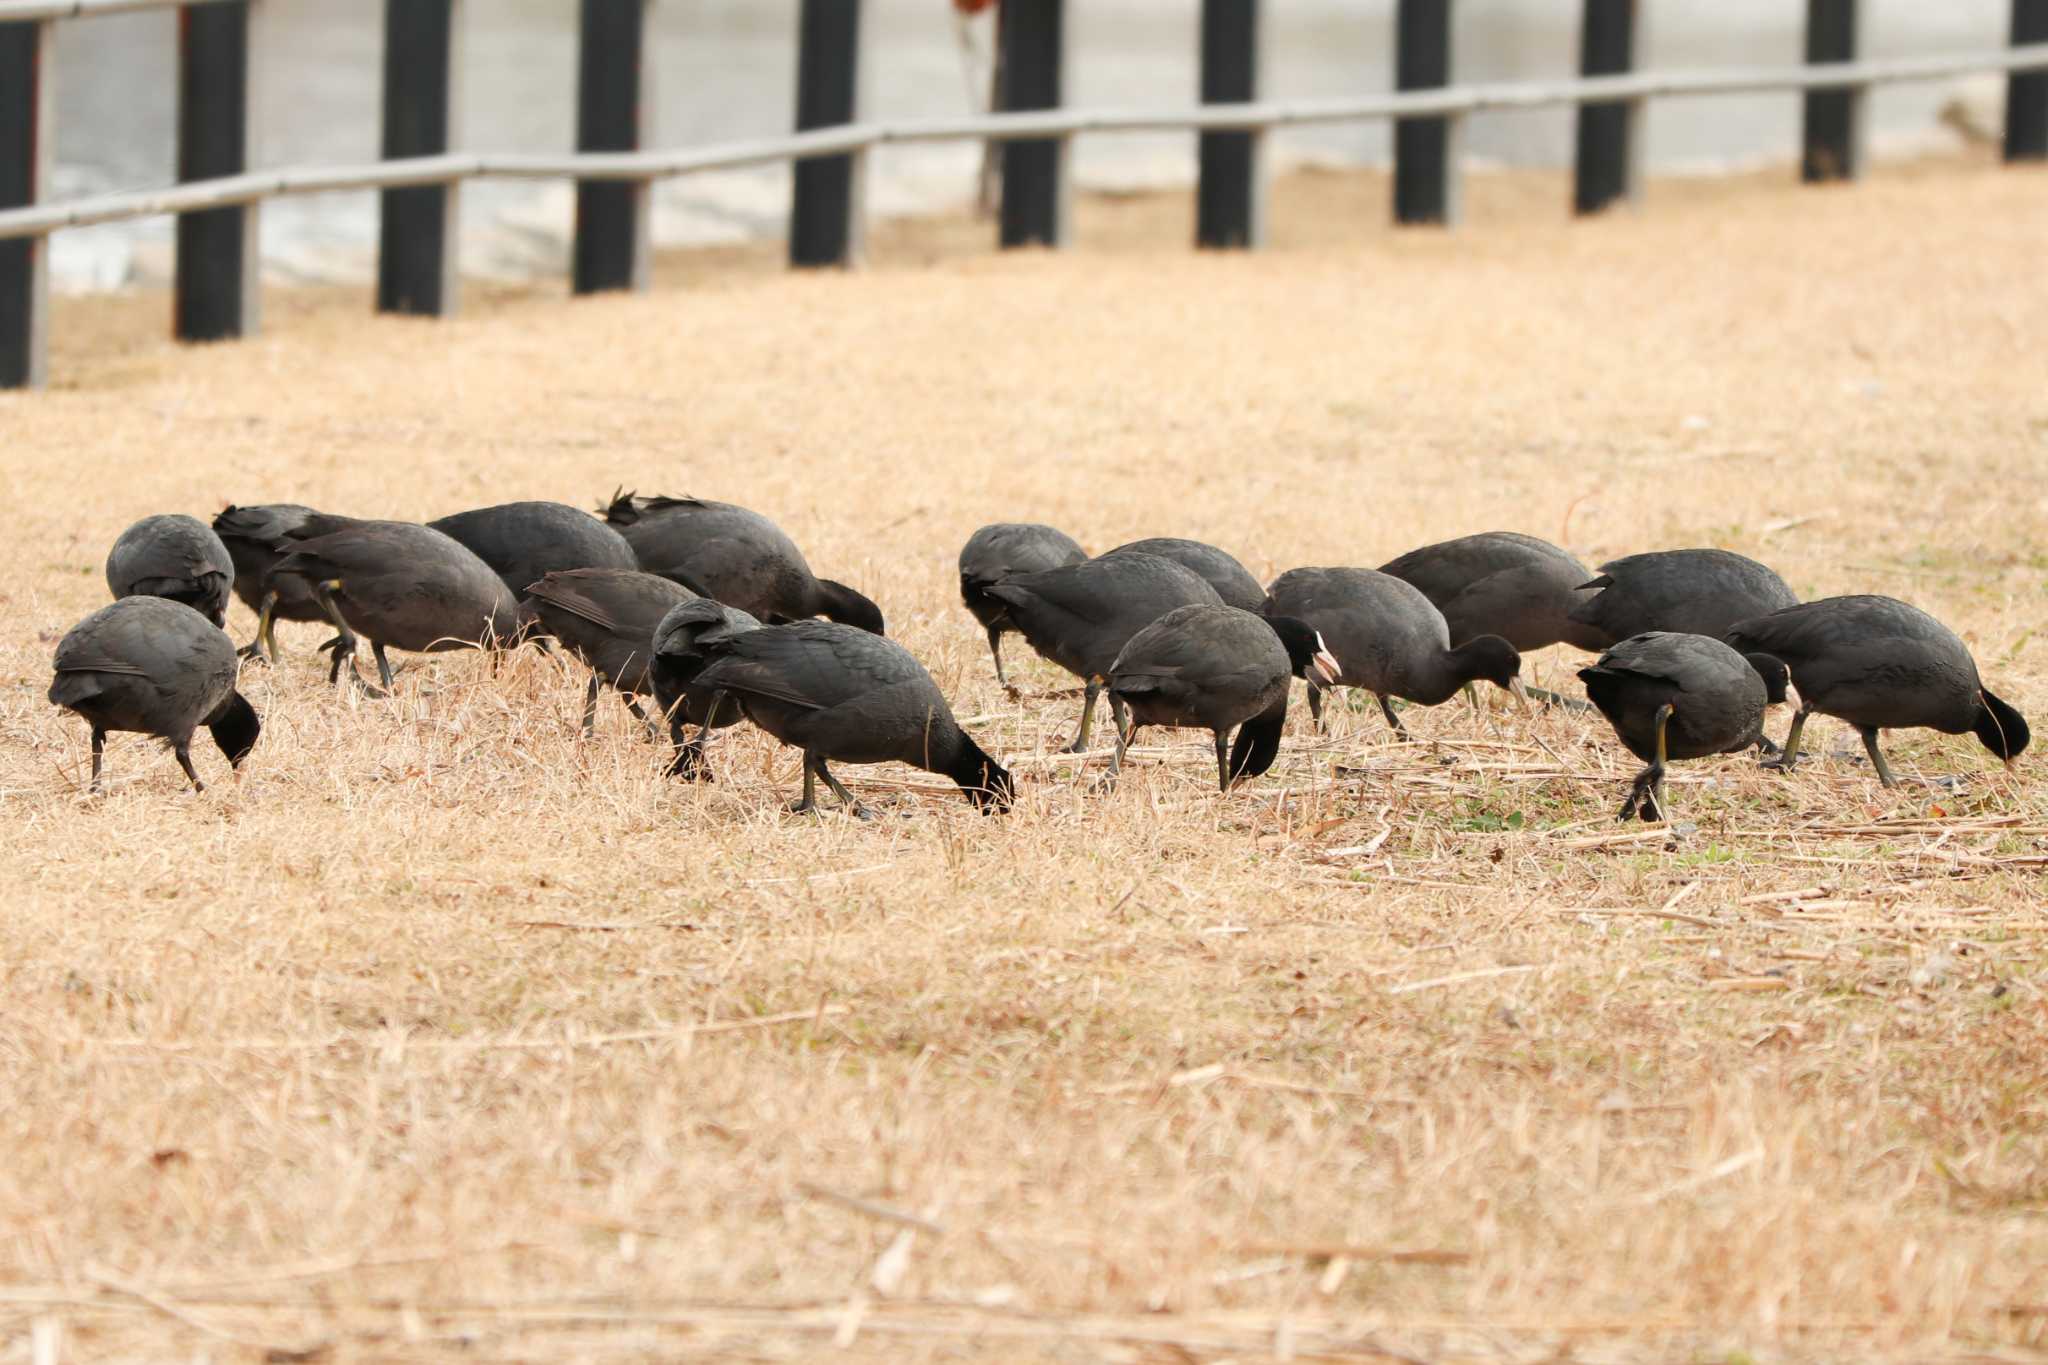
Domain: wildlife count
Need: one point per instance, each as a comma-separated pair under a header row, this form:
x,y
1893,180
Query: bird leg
x,y
183,753
1315,706
810,798
1222,762
1884,772
99,749
1094,690
1790,754
590,707
995,649
343,646
845,796
1471,692
689,760
1646,793
633,705
1126,730
1387,710
264,646
383,671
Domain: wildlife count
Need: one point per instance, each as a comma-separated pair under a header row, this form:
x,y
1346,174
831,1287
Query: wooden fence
x,y
217,197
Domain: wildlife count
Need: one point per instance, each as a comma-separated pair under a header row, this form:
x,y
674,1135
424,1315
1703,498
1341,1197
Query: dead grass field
x,y
442,1034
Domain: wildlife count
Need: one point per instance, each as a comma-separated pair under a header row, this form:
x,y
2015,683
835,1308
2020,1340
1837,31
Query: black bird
x,y
159,667
1671,695
173,557
524,542
606,618
405,586
1081,616
256,538
1692,592
739,557
847,695
1389,639
1233,582
1502,583
1216,668
1880,665
681,644
996,552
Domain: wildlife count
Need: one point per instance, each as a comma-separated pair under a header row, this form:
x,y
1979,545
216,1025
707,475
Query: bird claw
x,y
253,653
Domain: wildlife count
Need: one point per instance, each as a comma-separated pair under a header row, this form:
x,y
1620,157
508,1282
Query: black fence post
x,y
1230,196
217,293
1425,148
613,93
1832,130
1609,131
824,215
2026,92
416,247
1034,169
28,69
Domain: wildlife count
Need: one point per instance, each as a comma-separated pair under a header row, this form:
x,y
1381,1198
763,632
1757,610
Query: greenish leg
x,y
845,796
633,705
1790,756
590,707
1094,690
810,798
99,753
1315,706
1387,710
1884,772
1222,762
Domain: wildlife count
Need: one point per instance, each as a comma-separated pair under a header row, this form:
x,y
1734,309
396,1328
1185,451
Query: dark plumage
x,y
1692,592
1233,582
256,538
173,557
737,556
1389,639
1880,665
524,542
606,618
681,649
1081,616
1215,668
156,666
1501,583
844,694
405,586
1671,695
996,552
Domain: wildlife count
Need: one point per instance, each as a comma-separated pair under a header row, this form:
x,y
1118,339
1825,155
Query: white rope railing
x,y
1453,101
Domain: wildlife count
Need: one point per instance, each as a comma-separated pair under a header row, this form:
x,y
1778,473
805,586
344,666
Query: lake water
x,y
726,70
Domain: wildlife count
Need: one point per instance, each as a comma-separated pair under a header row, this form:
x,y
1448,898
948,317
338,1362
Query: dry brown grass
x,y
391,1048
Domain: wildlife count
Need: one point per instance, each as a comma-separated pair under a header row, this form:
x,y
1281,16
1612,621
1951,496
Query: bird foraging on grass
x,y
1671,696
158,667
1880,664
843,694
1216,668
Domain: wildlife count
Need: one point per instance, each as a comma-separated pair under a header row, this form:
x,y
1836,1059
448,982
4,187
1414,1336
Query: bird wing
x,y
556,593
812,664
98,663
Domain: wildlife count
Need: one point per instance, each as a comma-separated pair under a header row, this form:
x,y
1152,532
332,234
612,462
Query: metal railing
x,y
216,256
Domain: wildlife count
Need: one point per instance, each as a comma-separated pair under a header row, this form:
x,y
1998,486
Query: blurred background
x,y
726,70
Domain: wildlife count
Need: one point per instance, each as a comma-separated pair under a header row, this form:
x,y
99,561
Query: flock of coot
x,y
710,611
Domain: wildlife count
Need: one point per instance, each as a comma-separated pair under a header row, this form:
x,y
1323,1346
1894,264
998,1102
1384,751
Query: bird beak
x,y
1326,666
1521,694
